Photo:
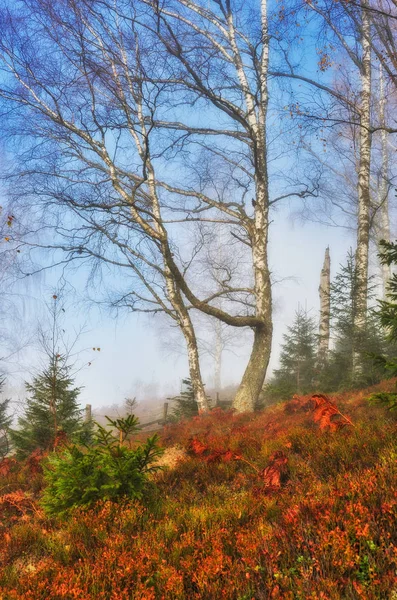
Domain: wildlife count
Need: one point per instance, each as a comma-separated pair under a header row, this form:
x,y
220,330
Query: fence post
x,y
165,408
88,415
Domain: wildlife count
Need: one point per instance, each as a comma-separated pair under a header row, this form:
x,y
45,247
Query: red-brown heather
x,y
296,502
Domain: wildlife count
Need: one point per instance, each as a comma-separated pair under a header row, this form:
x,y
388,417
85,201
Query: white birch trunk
x,y
175,297
194,367
383,229
325,309
187,328
363,224
218,356
254,376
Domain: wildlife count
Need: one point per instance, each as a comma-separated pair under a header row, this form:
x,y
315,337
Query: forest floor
x,y
298,501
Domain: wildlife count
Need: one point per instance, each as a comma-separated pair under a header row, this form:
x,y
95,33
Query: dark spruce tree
x,y
298,360
5,422
387,314
388,308
351,362
184,406
51,410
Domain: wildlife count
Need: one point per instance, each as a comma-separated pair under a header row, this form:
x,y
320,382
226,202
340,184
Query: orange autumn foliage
x,y
6,466
33,462
327,414
325,411
271,475
261,506
277,468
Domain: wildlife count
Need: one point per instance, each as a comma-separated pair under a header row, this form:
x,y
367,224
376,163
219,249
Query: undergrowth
x,y
228,521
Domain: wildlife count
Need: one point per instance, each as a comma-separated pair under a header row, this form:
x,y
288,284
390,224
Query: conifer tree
x,y
387,314
51,408
5,422
185,405
297,360
388,308
351,362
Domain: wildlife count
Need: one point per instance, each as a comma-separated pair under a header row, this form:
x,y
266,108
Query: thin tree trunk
x,y
88,413
218,356
175,297
251,385
325,309
363,225
186,325
195,373
383,229
253,379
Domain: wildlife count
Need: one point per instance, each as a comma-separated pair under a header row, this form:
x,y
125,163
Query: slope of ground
x,y
283,504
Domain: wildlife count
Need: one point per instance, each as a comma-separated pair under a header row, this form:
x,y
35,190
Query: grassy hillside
x,y
280,504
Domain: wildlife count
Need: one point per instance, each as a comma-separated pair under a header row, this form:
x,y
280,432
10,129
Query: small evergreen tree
x,y
107,470
5,422
85,433
297,360
388,308
185,405
351,362
387,314
52,407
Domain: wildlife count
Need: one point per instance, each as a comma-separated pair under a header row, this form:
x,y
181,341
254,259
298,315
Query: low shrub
x,y
299,512
107,469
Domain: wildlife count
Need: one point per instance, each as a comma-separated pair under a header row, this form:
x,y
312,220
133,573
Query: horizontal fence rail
x,y
225,404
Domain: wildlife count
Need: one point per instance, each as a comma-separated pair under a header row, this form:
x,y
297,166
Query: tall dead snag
x,y
325,308
350,26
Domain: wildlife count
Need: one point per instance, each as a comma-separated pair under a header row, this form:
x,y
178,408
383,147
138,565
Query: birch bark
x,y
254,376
363,222
218,356
383,228
244,99
325,305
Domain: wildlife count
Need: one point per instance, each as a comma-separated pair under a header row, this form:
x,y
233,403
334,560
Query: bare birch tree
x,y
218,56
80,114
105,100
360,55
348,30
364,172
382,221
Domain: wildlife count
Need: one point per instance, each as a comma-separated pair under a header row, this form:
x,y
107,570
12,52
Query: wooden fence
x,y
225,404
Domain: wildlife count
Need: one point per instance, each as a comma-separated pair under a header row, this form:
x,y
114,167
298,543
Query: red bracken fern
x,y
6,466
327,414
276,470
325,411
198,447
211,455
18,503
272,475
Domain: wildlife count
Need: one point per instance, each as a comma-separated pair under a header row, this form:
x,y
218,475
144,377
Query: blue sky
x,y
132,360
